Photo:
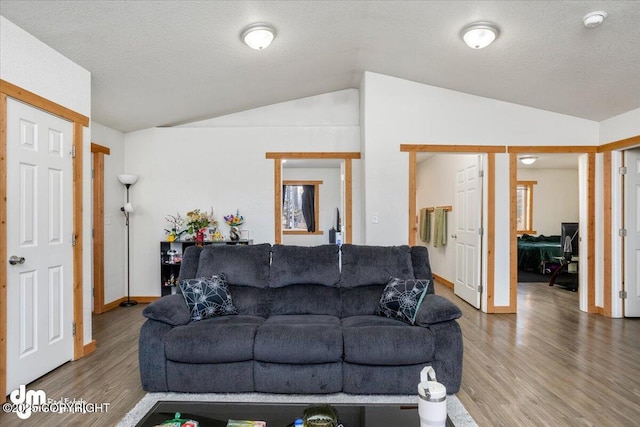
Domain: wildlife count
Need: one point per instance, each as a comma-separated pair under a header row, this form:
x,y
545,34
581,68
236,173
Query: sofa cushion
x,y
401,299
207,297
214,340
169,309
299,339
421,265
250,301
246,265
374,265
361,301
376,340
301,265
305,299
436,309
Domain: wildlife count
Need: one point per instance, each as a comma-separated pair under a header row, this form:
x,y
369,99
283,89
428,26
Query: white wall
x,y
339,108
555,198
620,127
225,168
398,112
34,66
114,226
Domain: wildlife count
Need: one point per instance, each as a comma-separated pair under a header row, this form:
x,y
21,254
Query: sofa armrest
x,y
170,309
436,309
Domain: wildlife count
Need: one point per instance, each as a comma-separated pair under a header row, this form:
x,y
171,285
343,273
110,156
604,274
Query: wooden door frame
x,y
9,90
348,186
590,151
606,150
490,151
98,152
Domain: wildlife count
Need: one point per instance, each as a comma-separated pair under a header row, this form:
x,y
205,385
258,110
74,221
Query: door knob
x,y
16,260
454,236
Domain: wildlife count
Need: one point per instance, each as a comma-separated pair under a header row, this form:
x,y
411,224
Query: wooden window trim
x,y
529,229
347,157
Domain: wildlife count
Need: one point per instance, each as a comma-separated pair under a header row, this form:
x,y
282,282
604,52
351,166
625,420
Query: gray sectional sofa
x,y
306,323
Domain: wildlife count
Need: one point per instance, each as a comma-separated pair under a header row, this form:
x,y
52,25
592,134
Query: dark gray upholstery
x,y
171,310
303,265
305,299
299,339
422,266
250,301
374,265
318,378
436,309
234,377
246,265
305,324
214,340
367,340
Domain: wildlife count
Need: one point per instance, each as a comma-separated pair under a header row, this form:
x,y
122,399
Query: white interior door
x,y
468,237
632,241
39,231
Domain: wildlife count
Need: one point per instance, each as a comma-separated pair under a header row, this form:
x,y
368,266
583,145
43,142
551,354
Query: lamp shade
x,y
128,207
127,179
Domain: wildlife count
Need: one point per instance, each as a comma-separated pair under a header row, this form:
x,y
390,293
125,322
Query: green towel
x,y
425,225
440,228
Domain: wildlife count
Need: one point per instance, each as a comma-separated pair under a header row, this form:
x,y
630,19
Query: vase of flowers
x,y
234,221
197,222
176,227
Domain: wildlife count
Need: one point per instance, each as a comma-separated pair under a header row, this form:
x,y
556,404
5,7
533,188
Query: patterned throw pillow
x,y
401,299
207,297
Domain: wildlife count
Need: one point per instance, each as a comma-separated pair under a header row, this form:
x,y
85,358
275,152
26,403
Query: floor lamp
x,y
128,180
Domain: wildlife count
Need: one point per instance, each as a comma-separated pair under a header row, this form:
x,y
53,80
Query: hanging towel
x,y
440,227
425,225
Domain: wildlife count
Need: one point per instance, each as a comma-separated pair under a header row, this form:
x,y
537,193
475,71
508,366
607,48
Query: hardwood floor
x,y
110,374
550,365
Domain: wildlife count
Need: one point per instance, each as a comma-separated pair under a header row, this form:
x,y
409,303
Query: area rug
x,y
455,409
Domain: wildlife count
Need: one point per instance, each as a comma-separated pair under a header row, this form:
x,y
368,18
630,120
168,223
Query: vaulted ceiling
x,y
160,63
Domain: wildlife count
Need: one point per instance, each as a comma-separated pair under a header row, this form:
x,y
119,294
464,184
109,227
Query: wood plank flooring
x,y
550,365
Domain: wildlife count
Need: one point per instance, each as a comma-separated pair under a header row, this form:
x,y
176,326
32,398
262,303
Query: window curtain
x,y
308,207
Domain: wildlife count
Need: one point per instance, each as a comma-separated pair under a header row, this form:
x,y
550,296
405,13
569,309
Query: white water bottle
x,y
432,404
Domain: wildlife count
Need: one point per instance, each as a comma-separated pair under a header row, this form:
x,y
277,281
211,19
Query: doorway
x,y
8,90
450,201
488,252
586,272
548,202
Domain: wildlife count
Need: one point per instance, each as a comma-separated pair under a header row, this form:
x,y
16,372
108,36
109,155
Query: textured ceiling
x,y
158,63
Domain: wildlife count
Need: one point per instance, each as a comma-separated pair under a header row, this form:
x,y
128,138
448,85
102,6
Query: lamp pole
x,y
126,210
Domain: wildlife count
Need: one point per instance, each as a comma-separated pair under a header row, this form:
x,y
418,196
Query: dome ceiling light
x,y
258,36
479,34
528,160
594,19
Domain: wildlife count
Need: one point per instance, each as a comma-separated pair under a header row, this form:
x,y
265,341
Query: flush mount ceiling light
x,y
258,36
479,34
593,19
528,160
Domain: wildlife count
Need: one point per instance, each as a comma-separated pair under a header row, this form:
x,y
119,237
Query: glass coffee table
x,y
216,414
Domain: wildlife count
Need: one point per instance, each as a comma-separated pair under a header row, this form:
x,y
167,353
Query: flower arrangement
x,y
176,224
197,221
234,220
